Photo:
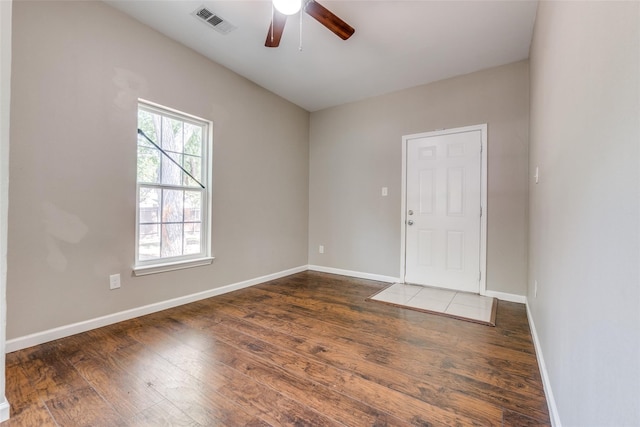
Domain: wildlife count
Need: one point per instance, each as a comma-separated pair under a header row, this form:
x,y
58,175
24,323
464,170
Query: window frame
x,y
158,265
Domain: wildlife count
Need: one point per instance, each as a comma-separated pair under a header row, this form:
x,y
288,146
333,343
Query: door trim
x,y
483,197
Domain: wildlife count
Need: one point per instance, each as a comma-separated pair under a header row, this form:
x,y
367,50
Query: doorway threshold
x,y
445,302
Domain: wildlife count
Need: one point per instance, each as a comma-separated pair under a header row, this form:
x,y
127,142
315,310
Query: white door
x,y
443,209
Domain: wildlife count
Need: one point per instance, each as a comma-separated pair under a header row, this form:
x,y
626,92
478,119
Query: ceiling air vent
x,y
218,24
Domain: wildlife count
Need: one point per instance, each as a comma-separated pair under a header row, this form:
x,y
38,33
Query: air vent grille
x,y
217,23
215,20
204,14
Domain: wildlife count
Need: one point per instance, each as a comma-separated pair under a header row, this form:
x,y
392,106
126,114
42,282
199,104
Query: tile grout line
x,y
449,305
417,293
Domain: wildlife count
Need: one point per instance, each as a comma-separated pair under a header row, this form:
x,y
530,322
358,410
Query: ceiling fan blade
x,y
275,29
329,20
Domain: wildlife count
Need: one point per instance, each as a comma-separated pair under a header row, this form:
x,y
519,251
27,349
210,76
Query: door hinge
x,y
480,210
479,276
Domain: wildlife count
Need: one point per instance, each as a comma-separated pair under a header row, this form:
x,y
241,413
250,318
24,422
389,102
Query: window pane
x,y
171,240
192,238
149,241
193,139
149,205
192,206
149,215
172,135
148,164
172,205
171,173
147,123
192,165
143,142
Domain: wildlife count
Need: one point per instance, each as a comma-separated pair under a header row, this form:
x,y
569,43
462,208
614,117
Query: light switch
x,y
385,191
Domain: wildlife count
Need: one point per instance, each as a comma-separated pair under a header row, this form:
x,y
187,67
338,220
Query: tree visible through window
x,y
172,217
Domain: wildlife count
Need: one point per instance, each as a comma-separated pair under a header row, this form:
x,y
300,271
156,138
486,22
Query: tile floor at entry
x,y
446,301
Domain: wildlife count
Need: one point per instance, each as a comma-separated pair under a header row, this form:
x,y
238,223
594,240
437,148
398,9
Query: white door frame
x,y
483,197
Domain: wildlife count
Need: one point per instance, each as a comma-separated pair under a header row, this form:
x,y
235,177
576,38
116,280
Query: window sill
x,y
161,268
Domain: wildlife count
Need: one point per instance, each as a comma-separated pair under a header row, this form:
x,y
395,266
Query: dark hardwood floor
x,y
303,350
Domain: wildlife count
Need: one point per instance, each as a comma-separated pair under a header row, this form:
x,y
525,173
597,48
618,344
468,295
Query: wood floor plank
x,y
514,419
491,377
52,376
306,349
348,297
439,405
510,360
83,407
403,406
162,414
196,397
258,399
37,415
318,397
127,396
19,391
496,413
335,315
480,376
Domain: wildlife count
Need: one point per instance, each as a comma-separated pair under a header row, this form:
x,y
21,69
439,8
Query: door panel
x,y
443,190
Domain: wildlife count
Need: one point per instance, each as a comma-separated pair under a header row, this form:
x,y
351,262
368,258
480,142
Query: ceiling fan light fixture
x,y
287,7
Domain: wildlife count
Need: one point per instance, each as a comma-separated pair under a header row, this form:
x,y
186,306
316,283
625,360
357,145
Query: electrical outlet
x,y
535,288
114,281
321,249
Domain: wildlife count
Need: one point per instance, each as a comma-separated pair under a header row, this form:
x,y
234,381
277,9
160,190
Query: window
x,y
173,209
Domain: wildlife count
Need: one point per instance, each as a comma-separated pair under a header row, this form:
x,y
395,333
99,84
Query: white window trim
x,y
161,265
171,266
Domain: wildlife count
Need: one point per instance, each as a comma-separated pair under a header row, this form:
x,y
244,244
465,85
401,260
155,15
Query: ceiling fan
x,y
284,8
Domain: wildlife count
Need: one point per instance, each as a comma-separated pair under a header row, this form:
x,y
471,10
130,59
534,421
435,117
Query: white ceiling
x,y
397,44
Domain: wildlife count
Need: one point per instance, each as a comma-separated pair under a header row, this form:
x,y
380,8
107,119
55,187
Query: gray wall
x,y
356,150
584,241
79,68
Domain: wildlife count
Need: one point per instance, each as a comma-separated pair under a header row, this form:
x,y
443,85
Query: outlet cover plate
x,y
114,281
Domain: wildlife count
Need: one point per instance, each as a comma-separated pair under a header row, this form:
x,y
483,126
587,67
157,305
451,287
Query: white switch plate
x,y
385,191
537,175
321,249
114,281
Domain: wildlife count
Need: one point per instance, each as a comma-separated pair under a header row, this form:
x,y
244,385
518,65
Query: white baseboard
x,y
5,409
390,279
551,401
503,296
75,328
358,274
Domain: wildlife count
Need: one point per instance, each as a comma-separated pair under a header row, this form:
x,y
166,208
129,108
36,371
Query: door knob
x,y
410,222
